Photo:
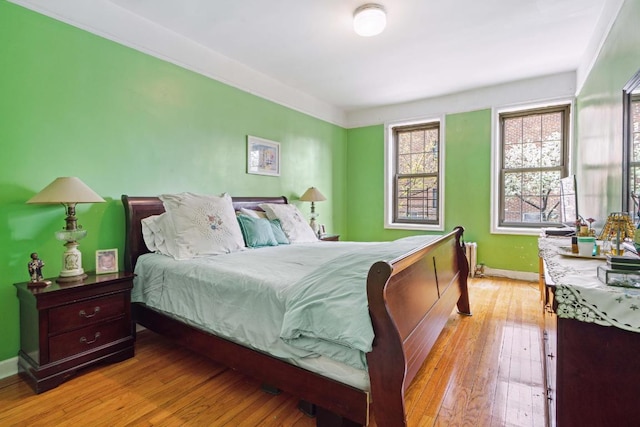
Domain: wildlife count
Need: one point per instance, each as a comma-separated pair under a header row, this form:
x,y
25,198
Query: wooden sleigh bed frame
x,y
410,300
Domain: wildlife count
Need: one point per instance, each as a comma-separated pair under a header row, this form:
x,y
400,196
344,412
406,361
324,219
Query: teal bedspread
x,y
304,303
326,311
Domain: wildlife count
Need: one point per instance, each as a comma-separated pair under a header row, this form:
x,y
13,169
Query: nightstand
x,y
330,237
65,327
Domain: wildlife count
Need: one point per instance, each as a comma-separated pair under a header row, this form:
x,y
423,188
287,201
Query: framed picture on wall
x,y
106,261
263,156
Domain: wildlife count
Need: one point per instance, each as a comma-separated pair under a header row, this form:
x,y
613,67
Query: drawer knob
x,y
84,314
95,338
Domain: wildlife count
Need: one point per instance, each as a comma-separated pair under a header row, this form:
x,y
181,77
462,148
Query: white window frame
x,y
389,165
496,156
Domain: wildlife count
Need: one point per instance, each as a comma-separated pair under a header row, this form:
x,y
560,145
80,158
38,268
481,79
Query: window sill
x,y
517,231
415,227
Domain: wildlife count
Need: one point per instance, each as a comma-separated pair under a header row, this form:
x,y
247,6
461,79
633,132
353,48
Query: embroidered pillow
x,y
293,223
257,232
204,225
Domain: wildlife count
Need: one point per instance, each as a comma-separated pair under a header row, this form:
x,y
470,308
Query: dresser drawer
x,y
73,316
87,338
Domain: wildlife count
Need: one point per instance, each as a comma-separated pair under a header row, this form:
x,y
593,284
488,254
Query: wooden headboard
x,y
138,208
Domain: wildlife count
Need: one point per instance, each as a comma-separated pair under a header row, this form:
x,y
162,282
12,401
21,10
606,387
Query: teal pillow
x,y
257,232
278,233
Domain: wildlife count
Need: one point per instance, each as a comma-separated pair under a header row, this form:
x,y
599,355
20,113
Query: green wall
x,y
74,104
467,191
599,125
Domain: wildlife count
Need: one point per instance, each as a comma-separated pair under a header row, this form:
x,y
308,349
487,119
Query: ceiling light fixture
x,y
369,20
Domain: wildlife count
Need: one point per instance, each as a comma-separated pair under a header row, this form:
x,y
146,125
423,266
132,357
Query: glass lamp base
x,y
314,225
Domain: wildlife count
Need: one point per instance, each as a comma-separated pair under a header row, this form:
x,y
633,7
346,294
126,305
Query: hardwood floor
x,y
485,370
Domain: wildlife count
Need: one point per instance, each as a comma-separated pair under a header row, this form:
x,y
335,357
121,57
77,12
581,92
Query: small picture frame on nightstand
x,y
106,261
321,230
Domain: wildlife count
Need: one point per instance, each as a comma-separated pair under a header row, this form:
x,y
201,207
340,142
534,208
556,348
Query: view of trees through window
x,y
533,161
417,173
634,169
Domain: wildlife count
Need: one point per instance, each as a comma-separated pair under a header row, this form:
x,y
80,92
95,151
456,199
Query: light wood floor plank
x,y
485,370
484,377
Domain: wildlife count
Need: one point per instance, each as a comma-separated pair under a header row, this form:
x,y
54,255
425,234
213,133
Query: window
x,y
414,171
634,163
532,157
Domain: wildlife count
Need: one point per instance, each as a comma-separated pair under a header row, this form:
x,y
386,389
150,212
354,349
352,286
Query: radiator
x,y
472,257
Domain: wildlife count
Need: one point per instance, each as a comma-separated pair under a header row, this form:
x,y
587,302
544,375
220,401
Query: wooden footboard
x,y
410,300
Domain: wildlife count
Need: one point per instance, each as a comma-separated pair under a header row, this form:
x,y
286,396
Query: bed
x,y
409,299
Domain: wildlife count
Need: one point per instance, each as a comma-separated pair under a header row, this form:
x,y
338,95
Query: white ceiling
x,y
429,48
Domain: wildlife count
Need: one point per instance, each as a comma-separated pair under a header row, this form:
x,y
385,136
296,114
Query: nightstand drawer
x,y
88,338
72,316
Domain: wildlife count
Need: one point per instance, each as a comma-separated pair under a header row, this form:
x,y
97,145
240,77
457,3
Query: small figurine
x,y
35,271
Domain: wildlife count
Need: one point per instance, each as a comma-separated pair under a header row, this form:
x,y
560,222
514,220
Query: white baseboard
x,y
510,274
8,367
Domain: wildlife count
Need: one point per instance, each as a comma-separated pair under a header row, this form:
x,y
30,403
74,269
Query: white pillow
x,y
150,232
204,225
252,213
159,235
293,223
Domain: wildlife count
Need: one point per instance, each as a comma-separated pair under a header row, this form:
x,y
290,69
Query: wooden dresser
x,y
592,370
69,326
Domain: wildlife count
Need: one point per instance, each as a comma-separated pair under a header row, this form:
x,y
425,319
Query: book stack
x,y
620,271
623,262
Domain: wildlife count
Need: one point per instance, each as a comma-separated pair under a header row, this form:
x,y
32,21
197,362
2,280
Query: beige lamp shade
x,y
312,195
66,190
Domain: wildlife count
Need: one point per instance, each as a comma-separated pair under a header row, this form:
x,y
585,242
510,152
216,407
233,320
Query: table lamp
x,y
69,191
313,195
